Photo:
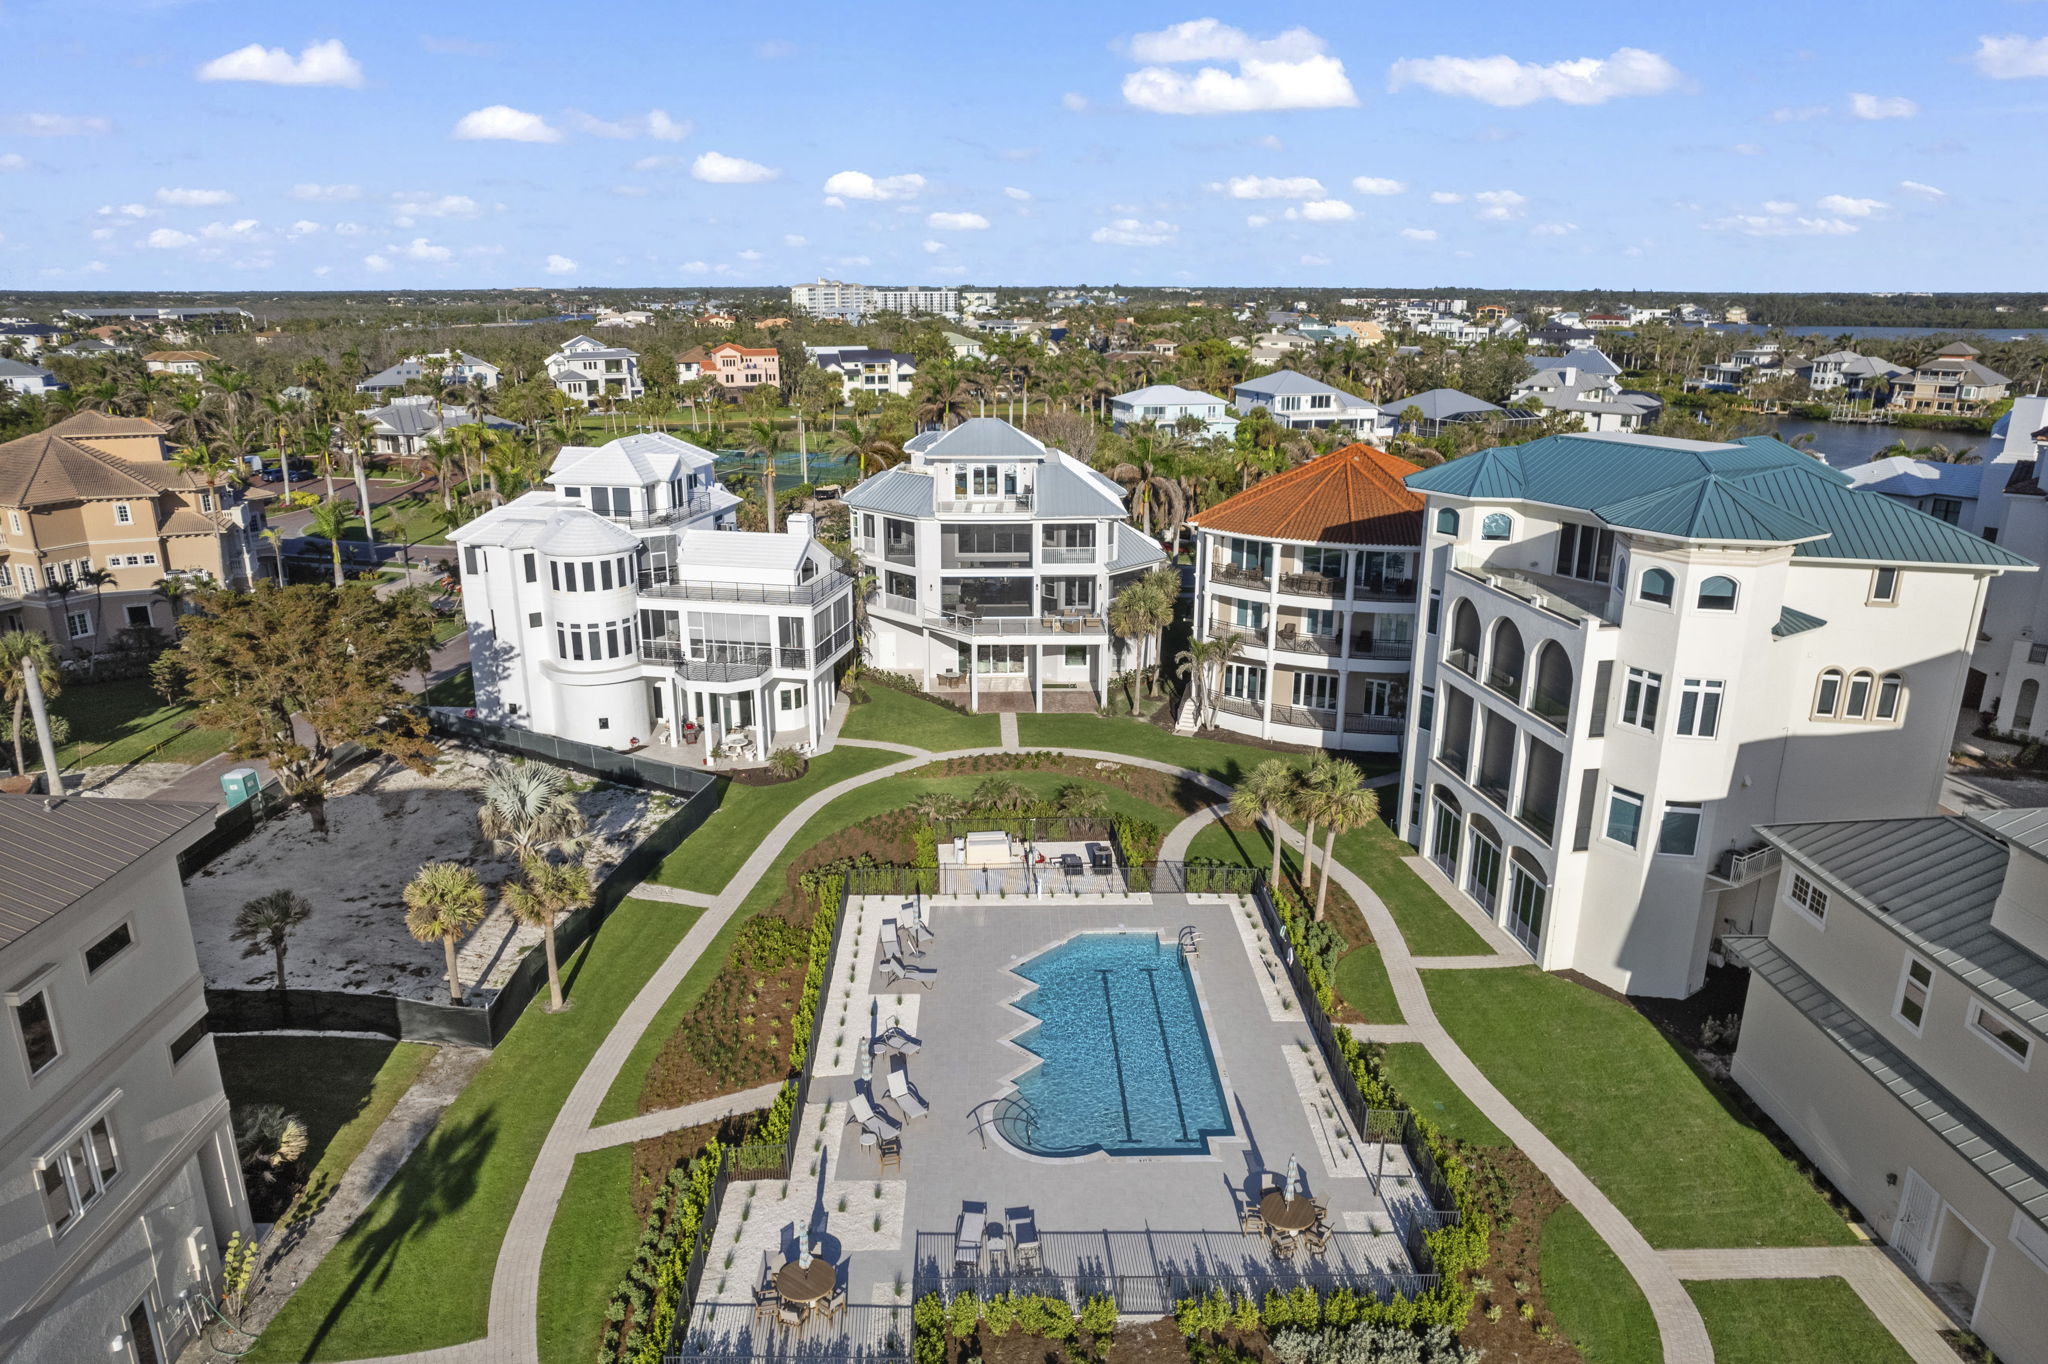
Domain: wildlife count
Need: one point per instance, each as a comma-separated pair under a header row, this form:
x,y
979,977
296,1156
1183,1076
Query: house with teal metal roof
x,y
1638,650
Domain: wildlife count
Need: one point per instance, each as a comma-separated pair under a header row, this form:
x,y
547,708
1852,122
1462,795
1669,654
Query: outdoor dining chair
x,y
767,1302
1250,1220
835,1304
790,1314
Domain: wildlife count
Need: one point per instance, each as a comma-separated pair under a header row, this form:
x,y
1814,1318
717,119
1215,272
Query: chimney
x,y
2021,910
1569,376
800,523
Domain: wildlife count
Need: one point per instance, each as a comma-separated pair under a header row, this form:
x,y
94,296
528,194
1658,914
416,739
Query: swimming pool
x,y
1125,1064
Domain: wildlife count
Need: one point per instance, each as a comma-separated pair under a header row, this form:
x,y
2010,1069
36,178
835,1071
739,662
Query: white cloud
x,y
348,229
304,227
13,161
1926,191
716,168
326,194
933,248
1073,103
168,239
1882,106
1136,232
1315,260
851,184
695,267
420,249
655,123
240,228
1781,225
560,265
102,234
1553,229
1419,234
1504,81
325,63
1843,206
1256,220
1780,206
503,123
376,263
1445,196
194,198
1273,187
56,125
406,209
1800,113
126,211
1022,196
1501,204
955,222
749,255
648,163
1324,211
792,239
2012,57
1377,184
1289,71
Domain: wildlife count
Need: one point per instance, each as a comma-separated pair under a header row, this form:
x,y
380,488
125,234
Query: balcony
x,y
1243,577
1578,603
1392,649
1079,623
1236,705
1321,646
992,504
1738,867
1396,590
1061,554
1465,661
900,551
1225,630
1303,717
803,594
1357,722
1551,708
1542,823
1506,681
1311,585
733,663
893,604
696,504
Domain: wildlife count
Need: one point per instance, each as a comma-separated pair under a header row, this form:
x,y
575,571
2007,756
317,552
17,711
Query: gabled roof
x,y
1065,491
2026,827
896,492
45,468
1287,381
1442,404
743,350
1352,496
1587,361
978,438
53,857
1132,550
1167,395
1794,622
1904,476
639,459
91,424
1757,489
17,369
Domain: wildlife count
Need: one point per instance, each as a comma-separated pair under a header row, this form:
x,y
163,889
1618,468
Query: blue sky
x,y
217,144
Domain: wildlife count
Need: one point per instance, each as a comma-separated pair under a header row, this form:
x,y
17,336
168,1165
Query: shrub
x,y
963,1314
1371,1344
928,1329
1098,1317
786,762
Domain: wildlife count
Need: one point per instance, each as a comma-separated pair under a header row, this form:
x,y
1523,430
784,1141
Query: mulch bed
x,y
1159,788
655,1157
1521,1199
765,776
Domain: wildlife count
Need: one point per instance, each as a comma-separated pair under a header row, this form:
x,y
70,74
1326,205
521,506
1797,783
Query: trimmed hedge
x,y
642,1315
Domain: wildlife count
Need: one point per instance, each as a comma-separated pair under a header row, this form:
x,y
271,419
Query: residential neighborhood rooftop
x,y
1350,496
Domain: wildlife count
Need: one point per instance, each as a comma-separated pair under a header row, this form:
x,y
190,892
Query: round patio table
x,y
801,1285
1287,1214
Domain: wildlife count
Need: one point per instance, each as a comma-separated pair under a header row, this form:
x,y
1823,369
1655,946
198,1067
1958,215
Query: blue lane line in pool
x,y
1123,1090
1166,1050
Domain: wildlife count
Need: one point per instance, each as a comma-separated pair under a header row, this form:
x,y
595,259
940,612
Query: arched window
x,y
1463,653
1857,707
1828,699
1496,526
1891,696
1446,521
1717,594
1657,586
2023,711
1505,663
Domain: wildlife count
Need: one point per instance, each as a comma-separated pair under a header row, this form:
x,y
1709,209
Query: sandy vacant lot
x,y
384,822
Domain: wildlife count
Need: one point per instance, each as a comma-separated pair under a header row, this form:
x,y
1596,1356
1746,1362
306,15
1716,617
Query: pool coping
x,y
1007,1086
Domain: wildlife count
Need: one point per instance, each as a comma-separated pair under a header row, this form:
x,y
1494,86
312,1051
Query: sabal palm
x,y
444,901
98,579
1312,790
1346,803
266,923
546,891
529,809
332,521
1267,793
16,648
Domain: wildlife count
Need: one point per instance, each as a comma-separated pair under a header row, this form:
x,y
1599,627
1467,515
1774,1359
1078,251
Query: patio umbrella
x,y
1293,1177
867,1052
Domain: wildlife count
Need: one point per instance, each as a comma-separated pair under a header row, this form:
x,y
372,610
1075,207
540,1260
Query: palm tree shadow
x,y
437,1182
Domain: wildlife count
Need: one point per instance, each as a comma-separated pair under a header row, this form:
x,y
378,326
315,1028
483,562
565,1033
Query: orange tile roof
x,y
1352,496
744,350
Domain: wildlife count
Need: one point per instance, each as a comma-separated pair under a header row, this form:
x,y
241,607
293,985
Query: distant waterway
x,y
1896,333
1847,444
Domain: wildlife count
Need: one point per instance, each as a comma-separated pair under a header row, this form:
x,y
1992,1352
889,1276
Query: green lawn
x,y
1814,1321
1597,1304
745,815
590,1247
412,519
1430,927
120,722
1622,1103
1362,983
414,1272
340,1087
1226,762
456,689
897,717
1422,1082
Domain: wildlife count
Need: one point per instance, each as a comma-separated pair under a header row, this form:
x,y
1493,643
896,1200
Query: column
x,y
1034,659
973,673
764,716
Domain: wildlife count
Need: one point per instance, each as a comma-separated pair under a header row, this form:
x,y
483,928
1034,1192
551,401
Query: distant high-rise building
x,y
836,298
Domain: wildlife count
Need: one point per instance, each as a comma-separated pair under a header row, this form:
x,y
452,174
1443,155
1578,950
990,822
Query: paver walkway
x,y
665,1120
1893,1298
654,890
1008,720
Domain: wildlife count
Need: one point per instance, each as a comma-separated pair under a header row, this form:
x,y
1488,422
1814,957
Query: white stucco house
x,y
1298,401
1165,404
1586,382
588,370
866,369
456,367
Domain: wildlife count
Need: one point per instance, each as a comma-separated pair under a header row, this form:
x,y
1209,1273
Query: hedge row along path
x,y
515,1286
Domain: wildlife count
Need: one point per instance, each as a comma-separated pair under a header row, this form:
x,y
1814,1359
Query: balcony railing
x,y
892,603
1225,630
1542,823
1082,624
1493,786
1304,717
899,551
803,594
1550,707
731,665
1236,705
1062,554
1737,866
1382,648
1457,760
1507,683
1311,585
1231,573
1465,661
1323,646
696,504
1403,590
1357,722
996,504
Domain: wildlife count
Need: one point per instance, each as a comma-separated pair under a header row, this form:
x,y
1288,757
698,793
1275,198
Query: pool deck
x,y
1151,1218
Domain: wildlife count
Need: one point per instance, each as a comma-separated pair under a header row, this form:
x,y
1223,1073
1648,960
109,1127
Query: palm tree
x,y
1345,803
545,892
97,579
267,1141
1266,791
276,538
444,901
176,592
332,521
1000,793
1308,806
1194,664
361,433
18,647
1130,619
529,809
266,923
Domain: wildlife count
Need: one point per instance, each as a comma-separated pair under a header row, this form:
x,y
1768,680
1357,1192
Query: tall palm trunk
x,y
554,971
1329,851
454,984
278,949
1272,818
1308,856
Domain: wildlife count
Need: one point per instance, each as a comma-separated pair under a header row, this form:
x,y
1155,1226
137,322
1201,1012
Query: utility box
x,y
239,785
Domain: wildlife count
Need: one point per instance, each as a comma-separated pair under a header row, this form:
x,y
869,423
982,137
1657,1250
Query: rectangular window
x,y
122,516
1425,710
589,577
1699,708
470,559
532,567
604,574
1884,586
38,1030
1915,980
1077,655
576,645
554,575
1624,815
1810,898
107,948
1639,698
1998,1030
1679,833
78,624
1585,552
182,1044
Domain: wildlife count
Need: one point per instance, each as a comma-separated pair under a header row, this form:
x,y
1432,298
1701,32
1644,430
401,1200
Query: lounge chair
x,y
968,1236
870,1117
1024,1243
895,1039
896,970
909,923
896,942
900,1093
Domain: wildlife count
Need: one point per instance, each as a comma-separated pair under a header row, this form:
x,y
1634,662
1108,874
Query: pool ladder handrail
x,y
1000,1113
1190,941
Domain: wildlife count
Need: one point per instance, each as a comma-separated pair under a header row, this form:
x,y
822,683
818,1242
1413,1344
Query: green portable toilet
x,y
239,785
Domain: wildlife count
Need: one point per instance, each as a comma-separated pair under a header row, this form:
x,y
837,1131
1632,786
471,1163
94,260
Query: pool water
x,y
1125,1063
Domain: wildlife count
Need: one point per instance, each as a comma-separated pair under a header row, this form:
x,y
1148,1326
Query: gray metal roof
x,y
898,492
1933,881
2028,827
1792,621
1133,550
1442,404
982,438
1064,492
52,858
1976,1140
1287,381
